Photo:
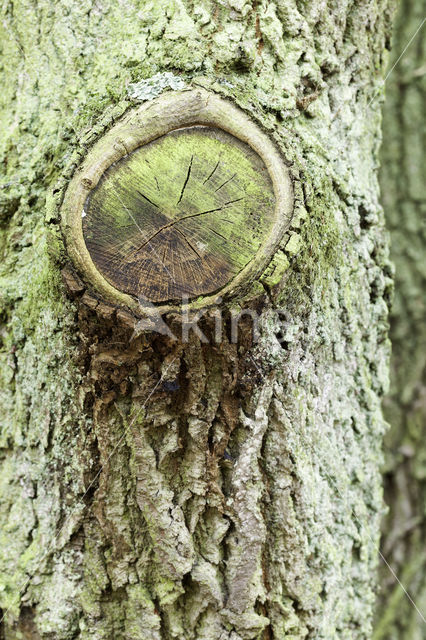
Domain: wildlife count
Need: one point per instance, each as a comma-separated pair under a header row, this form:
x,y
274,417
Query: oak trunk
x,y
154,488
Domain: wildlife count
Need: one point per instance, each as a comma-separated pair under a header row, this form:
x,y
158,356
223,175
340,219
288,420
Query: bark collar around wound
x,y
184,199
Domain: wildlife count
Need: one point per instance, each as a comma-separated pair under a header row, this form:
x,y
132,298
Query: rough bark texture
x,y
153,489
402,183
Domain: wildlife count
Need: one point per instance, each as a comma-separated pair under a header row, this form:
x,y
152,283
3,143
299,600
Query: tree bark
x,y
153,488
402,184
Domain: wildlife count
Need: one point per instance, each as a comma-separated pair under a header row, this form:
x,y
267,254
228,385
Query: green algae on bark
x,y
195,490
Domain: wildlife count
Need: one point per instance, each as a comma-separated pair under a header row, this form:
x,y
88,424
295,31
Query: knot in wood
x,y
193,202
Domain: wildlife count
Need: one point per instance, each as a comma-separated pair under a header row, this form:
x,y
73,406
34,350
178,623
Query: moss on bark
x,y
159,489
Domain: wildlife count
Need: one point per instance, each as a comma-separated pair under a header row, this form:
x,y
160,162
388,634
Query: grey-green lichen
x,y
152,87
238,496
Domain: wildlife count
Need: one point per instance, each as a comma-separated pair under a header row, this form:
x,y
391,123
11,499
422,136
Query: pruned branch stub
x,y
184,199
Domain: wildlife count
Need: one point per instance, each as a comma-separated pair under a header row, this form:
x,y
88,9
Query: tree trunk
x,y
402,183
159,488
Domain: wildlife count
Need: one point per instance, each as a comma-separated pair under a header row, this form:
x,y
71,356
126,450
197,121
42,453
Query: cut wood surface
x,y
180,216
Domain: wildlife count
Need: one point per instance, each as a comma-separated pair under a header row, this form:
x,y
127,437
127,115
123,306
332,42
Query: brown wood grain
x,y
180,216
